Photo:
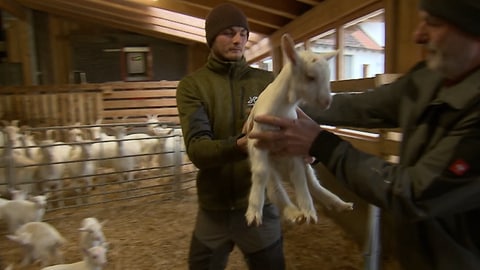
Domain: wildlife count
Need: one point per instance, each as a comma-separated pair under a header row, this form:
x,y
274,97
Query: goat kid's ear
x,y
104,222
288,47
106,245
12,237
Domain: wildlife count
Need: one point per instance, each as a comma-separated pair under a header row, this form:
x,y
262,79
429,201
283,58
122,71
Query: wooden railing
x,y
380,142
61,105
43,106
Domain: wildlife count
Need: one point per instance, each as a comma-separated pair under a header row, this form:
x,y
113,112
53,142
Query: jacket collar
x,y
432,90
461,94
234,68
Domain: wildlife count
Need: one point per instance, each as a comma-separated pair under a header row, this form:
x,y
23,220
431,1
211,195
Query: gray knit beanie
x,y
464,14
221,17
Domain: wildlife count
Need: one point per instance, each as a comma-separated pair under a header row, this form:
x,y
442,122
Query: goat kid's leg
x,y
27,257
89,188
277,194
56,255
327,198
260,174
298,178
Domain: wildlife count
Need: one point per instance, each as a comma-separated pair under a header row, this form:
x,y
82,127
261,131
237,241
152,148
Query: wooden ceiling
x,y
177,20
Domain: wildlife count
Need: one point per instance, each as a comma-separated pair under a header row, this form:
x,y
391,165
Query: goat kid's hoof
x,y
253,218
294,215
343,207
299,220
310,217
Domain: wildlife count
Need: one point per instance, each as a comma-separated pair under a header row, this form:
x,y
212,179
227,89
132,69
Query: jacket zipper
x,y
232,96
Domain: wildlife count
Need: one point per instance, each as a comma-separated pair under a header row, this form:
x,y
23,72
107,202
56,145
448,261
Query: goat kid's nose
x,y
325,103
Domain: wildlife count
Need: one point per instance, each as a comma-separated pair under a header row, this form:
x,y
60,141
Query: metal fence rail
x,y
171,176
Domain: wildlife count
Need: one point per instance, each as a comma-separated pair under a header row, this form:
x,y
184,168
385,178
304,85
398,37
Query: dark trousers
x,y
203,258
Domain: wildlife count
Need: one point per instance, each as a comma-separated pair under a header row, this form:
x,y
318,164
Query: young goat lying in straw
x,y
305,78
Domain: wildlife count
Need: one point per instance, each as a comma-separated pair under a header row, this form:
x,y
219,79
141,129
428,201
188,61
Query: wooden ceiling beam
x,y
90,16
142,17
287,9
115,18
182,7
14,9
260,22
309,2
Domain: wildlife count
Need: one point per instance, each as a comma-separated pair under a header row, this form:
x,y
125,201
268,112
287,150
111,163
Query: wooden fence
x,y
380,142
41,106
46,106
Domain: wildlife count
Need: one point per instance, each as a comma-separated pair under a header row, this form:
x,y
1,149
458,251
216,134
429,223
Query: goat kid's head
x,y
310,80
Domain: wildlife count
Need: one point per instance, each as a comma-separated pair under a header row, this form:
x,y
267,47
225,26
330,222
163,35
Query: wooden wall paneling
x,y
14,8
401,52
53,108
69,109
19,44
59,31
197,56
136,100
81,106
36,102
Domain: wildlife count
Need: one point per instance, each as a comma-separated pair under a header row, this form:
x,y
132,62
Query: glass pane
x,y
364,46
325,43
265,64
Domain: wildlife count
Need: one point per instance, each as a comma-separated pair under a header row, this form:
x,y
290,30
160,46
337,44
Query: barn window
x,y
363,45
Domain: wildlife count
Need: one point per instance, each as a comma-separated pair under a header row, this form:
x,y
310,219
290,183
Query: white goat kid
x,y
82,167
18,212
91,233
52,168
128,152
304,79
21,160
94,258
41,242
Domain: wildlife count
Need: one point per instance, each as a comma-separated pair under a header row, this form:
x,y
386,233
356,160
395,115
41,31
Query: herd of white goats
x,y
41,166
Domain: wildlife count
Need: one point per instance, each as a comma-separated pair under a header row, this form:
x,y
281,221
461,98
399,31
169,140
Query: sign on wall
x,y
137,64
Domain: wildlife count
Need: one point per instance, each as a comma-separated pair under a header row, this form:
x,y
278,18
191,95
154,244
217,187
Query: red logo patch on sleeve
x,y
459,167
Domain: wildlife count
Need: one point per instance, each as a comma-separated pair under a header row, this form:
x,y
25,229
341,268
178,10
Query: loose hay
x,y
156,235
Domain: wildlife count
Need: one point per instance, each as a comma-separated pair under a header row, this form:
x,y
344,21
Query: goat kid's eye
x,y
309,78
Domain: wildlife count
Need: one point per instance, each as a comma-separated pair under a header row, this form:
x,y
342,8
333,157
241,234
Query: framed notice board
x,y
136,64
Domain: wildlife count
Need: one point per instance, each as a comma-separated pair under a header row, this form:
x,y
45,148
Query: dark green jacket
x,y
433,195
213,104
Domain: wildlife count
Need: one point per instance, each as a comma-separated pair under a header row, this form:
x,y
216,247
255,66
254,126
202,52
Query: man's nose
x,y
237,37
420,36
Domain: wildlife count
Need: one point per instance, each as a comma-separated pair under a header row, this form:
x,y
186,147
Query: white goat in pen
x,y
91,233
305,78
52,167
22,159
81,167
40,241
128,152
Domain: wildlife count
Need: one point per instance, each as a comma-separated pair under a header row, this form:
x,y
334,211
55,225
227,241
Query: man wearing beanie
x,y
213,104
431,198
